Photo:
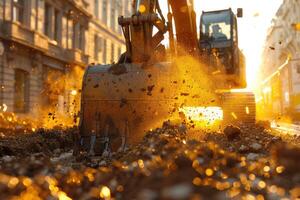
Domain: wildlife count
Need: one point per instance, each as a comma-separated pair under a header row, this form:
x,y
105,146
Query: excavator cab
x,y
219,47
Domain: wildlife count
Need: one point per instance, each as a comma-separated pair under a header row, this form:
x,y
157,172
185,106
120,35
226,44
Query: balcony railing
x,y
16,31
34,39
76,56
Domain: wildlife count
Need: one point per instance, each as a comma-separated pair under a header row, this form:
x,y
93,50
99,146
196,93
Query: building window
x,y
104,11
57,21
96,9
98,46
112,16
112,52
18,10
104,50
74,35
64,31
120,13
81,37
47,20
70,34
21,98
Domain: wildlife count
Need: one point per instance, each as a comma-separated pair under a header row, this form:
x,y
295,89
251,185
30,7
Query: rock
x,y
180,191
231,149
62,157
252,156
7,158
276,139
182,128
243,149
102,163
147,194
57,151
256,146
232,132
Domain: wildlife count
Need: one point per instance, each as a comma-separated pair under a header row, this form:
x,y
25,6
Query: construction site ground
x,y
171,162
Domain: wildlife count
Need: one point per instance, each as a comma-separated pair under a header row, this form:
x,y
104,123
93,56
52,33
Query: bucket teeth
x,y
111,138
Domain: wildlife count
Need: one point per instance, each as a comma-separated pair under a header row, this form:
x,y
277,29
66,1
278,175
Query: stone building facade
x,y
280,71
46,44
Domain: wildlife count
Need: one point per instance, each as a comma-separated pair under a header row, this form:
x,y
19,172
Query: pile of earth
x,y
246,162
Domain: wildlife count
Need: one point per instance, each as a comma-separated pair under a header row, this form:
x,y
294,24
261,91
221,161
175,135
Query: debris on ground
x,y
166,164
232,132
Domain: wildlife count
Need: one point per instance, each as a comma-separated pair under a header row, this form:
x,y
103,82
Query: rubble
x,y
256,146
232,132
252,156
167,164
243,149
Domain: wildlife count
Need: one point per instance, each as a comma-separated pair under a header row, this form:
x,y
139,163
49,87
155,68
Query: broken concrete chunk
x,y
232,132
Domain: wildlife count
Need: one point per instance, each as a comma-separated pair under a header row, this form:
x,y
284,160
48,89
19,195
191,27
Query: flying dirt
x,y
151,83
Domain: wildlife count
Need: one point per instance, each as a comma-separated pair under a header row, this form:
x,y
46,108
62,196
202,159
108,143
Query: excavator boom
x,y
185,25
138,30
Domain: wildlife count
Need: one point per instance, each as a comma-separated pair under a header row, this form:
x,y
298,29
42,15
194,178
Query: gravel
x,y
169,163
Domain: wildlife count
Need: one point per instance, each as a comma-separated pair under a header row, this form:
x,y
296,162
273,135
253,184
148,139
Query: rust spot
x,y
123,102
184,94
96,86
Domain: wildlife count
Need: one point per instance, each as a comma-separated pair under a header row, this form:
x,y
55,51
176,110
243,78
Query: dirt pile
x,y
14,143
166,164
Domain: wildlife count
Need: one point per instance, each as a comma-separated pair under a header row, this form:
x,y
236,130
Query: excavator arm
x,y
142,44
185,25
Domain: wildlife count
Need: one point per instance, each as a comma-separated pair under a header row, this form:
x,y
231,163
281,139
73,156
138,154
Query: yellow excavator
x,y
190,77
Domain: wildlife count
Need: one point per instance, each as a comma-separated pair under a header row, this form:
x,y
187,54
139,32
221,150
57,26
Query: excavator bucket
x,y
120,102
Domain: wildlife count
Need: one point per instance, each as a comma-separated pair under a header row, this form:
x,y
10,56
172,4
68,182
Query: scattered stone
x,y
180,191
7,158
57,151
256,147
243,149
276,139
232,132
166,164
62,157
148,194
252,156
102,163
